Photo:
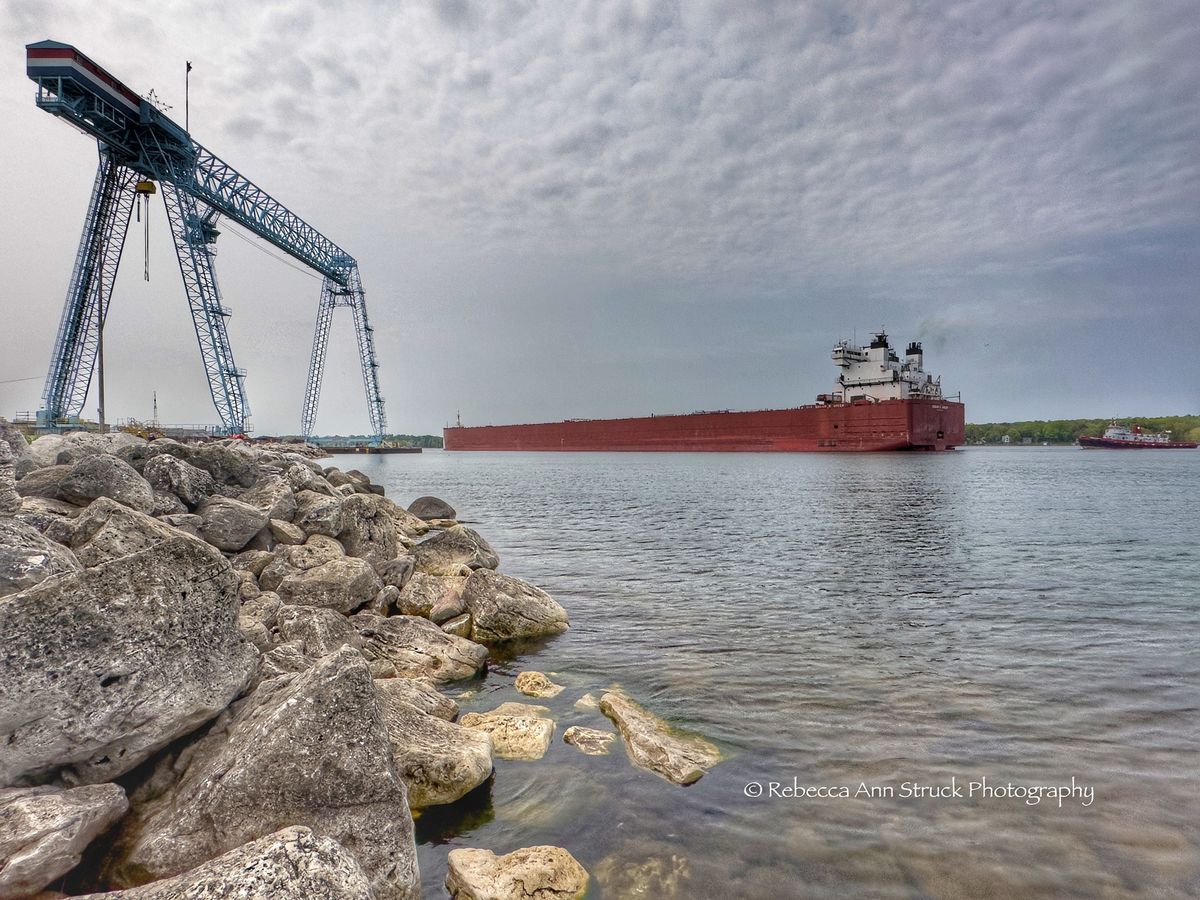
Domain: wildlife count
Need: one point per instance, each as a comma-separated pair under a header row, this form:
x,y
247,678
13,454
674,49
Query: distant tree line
x,y
1067,431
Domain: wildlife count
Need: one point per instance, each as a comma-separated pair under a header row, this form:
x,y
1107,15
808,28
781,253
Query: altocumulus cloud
x,y
731,184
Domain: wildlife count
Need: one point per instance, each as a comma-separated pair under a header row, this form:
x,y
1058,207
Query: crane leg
x,y
366,356
194,236
316,365
90,291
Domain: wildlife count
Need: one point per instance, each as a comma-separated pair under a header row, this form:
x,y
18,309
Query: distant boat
x,y
1122,437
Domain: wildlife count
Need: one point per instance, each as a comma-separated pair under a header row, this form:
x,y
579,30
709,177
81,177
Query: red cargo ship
x,y
879,403
1120,437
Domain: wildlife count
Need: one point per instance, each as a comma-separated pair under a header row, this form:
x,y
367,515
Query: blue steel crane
x,y
139,145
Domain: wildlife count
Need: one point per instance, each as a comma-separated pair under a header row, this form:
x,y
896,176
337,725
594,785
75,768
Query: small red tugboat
x,y
1122,437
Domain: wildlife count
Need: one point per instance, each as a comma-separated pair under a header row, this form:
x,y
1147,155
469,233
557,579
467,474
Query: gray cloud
x,y
603,207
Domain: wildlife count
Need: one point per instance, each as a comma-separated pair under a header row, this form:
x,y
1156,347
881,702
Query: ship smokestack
x,y
914,354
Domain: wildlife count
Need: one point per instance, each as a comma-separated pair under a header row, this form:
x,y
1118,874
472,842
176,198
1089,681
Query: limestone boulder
x,y
431,508
228,462
504,608
656,746
307,749
438,760
45,449
106,476
166,504
44,831
10,500
459,626
43,482
548,873
343,584
315,631
230,524
396,572
291,559
447,552
518,730
591,741
291,864
274,496
27,557
187,523
416,648
42,513
106,530
536,684
318,513
104,666
419,693
368,529
302,478
190,484
17,443
425,593
285,532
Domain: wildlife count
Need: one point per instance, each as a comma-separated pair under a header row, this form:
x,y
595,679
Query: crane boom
x,y
138,141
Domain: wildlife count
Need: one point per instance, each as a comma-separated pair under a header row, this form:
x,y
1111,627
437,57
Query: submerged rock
x,y
547,873
104,666
591,741
536,684
44,831
27,557
416,648
305,749
106,476
291,864
504,608
431,508
655,746
447,552
518,731
438,760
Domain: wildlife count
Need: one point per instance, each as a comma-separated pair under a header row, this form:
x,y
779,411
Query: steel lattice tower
x,y
137,142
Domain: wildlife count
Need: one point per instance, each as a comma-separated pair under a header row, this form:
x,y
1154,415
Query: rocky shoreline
x,y
222,671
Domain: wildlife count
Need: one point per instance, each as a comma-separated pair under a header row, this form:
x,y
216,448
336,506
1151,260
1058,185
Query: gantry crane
x,y
138,146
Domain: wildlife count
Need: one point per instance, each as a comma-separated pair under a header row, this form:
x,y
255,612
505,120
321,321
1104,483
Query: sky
x,y
571,209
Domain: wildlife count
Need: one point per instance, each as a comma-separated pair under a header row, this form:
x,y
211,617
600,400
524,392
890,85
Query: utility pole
x,y
100,364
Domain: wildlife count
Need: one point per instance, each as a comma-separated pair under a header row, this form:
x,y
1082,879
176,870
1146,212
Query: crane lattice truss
x,y
137,142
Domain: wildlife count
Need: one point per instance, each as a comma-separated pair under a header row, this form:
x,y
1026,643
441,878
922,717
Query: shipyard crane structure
x,y
138,147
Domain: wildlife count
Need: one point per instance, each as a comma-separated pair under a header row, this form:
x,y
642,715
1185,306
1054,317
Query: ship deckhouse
x,y
876,372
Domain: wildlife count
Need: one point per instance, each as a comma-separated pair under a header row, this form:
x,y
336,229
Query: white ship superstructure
x,y
876,372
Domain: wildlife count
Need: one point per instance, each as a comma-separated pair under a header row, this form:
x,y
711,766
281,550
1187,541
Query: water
x,y
1025,615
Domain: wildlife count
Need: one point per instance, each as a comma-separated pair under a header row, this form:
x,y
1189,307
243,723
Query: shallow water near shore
x,y
1021,615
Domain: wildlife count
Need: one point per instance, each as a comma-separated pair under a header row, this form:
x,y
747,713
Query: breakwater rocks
x,y
220,673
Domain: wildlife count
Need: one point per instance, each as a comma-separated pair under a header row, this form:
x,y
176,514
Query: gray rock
x,y
384,603
656,746
285,532
419,693
307,749
318,513
548,873
273,496
186,522
291,864
438,760
286,659
416,648
424,593
27,557
303,478
343,584
591,741
42,513
505,608
104,666
106,530
459,626
230,524
396,572
166,504
228,462
43,482
431,508
106,476
294,558
190,484
315,632
252,561
45,449
10,500
17,445
368,529
44,831
518,730
448,551
337,477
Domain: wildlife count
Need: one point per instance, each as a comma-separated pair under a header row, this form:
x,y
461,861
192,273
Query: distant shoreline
x,y
1067,431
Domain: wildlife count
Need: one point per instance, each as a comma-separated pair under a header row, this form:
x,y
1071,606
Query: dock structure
x,y
141,150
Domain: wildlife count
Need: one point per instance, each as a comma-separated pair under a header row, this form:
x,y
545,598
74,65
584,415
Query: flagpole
x,y
187,84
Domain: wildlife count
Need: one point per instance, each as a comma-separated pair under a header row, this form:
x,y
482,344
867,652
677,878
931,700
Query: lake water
x,y
1023,616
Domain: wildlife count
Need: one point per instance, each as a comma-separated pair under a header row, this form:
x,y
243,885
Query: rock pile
x,y
220,668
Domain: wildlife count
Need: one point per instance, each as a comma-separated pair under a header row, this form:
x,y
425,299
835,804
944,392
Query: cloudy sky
x,y
618,207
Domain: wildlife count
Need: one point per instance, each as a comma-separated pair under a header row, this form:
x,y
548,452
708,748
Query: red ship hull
x,y
915,424
1112,444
